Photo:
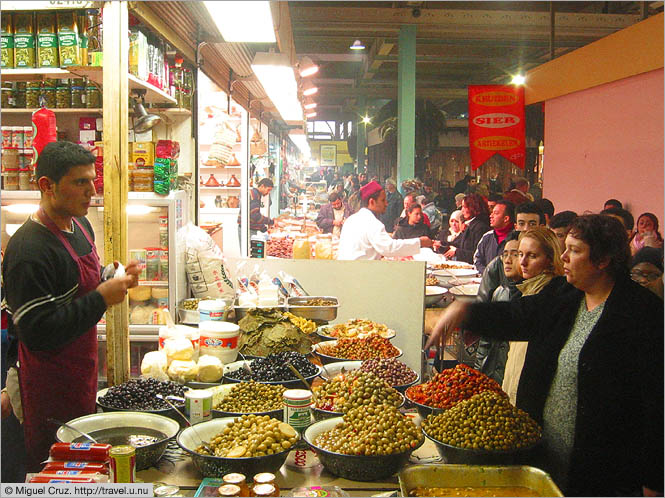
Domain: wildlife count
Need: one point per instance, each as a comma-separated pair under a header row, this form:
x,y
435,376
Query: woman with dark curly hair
x,y
476,215
593,373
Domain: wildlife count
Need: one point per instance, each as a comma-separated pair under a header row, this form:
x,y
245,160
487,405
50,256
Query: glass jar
x,y
19,98
77,97
24,179
32,92
323,248
237,479
93,97
62,95
301,247
49,97
263,490
8,100
10,179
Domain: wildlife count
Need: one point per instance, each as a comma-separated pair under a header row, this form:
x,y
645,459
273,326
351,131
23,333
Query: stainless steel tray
x,y
453,476
318,314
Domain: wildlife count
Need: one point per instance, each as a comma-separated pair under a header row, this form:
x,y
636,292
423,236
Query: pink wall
x,y
607,142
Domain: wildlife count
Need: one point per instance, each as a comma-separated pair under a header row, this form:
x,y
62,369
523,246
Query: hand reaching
x,y
451,319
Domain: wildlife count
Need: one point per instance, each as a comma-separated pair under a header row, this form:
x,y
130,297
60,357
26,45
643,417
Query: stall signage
x,y
496,123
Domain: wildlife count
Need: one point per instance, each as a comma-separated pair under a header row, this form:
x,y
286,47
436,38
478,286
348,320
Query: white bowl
x,y
445,276
335,368
466,292
433,294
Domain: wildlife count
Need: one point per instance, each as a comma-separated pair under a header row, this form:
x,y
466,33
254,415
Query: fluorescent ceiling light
x,y
310,90
275,73
300,140
310,114
357,45
249,22
22,208
311,105
518,79
307,67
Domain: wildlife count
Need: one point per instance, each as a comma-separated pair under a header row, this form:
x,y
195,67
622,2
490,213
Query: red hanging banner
x,y
496,123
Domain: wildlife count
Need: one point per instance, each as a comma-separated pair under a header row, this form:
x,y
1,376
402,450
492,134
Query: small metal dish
x,y
318,314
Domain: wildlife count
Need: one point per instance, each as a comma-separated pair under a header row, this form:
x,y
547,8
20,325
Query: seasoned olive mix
x,y
252,436
393,371
347,391
371,430
252,397
485,421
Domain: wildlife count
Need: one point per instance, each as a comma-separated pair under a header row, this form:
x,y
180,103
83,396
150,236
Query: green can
x,y
296,408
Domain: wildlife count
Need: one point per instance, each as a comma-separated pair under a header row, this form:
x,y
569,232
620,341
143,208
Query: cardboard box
x,y
143,154
87,136
146,136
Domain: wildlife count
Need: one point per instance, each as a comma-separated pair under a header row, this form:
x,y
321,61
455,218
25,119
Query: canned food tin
x,y
296,408
139,255
198,405
123,463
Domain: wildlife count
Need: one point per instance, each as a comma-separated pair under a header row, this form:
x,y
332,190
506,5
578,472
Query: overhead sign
x,y
496,123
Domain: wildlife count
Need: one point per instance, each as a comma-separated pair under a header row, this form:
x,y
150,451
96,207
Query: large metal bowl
x,y
318,314
220,392
289,384
445,276
423,410
434,294
454,454
320,414
465,293
354,467
325,359
335,369
166,412
212,466
146,456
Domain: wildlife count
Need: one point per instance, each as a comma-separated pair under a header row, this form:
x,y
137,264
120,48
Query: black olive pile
x,y
393,371
372,430
274,368
252,397
139,394
486,421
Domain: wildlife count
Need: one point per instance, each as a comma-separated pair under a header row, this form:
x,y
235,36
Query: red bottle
x,y
44,130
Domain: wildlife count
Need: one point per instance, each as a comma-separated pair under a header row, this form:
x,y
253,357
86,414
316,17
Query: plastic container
x,y
27,137
219,339
10,179
296,408
191,333
24,179
143,180
6,137
211,310
301,247
323,248
17,137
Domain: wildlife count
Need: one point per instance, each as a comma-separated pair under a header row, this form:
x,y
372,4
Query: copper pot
x,y
233,202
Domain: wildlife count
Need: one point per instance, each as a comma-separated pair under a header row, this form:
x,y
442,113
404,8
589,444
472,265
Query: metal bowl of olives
x,y
289,384
455,454
423,410
221,392
355,467
189,440
326,359
319,309
320,414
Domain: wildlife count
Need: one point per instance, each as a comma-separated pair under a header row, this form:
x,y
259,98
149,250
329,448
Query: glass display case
x,y
153,221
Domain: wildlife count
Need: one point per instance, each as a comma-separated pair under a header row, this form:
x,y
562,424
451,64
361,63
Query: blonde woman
x,y
540,260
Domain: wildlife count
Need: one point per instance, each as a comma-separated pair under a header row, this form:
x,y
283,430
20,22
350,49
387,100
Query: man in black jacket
x,y
258,222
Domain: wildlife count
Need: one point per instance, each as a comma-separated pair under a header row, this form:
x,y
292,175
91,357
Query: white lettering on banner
x,y
496,120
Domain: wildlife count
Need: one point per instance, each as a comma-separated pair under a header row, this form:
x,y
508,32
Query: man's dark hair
x,y
413,206
375,196
512,235
510,209
332,197
563,219
266,182
57,158
546,205
613,203
624,214
494,197
607,239
530,208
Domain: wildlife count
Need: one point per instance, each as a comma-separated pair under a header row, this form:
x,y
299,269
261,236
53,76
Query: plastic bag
x,y
205,266
154,365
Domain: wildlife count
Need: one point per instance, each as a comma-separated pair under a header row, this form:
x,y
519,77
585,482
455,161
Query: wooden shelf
x,y
153,94
93,73
57,111
202,187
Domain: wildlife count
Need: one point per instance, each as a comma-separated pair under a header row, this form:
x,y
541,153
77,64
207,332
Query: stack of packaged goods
x,y
142,167
17,158
75,463
166,166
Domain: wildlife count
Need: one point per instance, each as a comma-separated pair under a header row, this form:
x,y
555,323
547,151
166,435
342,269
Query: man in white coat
x,y
364,236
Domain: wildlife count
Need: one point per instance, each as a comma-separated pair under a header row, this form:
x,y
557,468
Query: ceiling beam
x,y
281,18
319,57
381,48
482,22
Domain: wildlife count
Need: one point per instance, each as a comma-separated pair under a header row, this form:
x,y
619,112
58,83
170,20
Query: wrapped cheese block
x,y
183,371
154,365
210,368
178,347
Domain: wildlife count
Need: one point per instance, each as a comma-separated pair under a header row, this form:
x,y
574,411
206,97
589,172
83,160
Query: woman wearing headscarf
x,y
593,374
476,217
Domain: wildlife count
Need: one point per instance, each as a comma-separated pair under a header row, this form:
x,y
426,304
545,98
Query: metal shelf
x,y
57,111
153,94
